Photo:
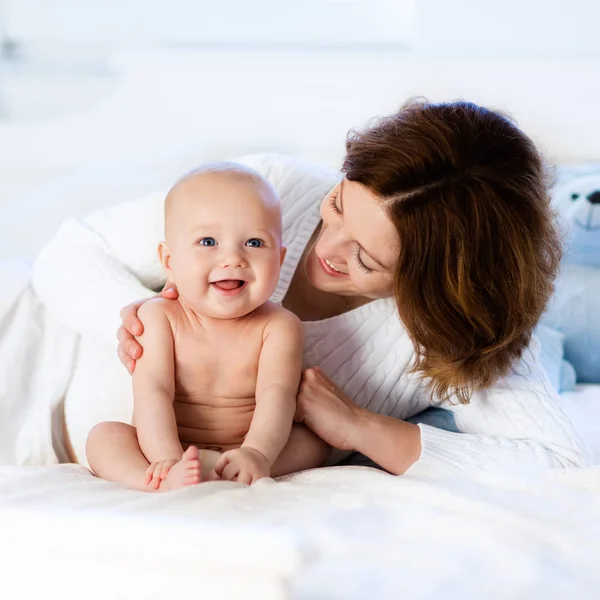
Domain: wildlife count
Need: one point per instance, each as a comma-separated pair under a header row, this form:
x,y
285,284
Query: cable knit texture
x,y
92,268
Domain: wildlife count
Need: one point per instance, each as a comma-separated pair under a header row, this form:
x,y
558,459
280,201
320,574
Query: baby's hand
x,y
158,471
245,465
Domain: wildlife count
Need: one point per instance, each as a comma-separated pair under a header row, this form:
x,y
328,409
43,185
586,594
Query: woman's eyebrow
x,y
377,262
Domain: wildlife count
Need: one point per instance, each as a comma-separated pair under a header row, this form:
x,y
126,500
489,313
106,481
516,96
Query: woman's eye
x,y
333,204
255,243
208,241
361,264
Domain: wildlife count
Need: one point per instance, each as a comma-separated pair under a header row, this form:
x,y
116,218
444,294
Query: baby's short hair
x,y
239,173
226,168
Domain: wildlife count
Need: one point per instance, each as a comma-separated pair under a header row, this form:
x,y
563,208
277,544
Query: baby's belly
x,y
213,423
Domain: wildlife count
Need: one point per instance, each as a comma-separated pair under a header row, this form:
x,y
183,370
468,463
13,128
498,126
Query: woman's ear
x,y
283,252
164,256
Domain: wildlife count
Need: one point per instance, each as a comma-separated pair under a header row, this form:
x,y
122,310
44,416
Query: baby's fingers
x,y
245,476
149,473
156,474
231,472
166,467
221,464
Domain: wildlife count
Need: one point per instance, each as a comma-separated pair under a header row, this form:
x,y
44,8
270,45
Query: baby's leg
x,y
114,454
304,450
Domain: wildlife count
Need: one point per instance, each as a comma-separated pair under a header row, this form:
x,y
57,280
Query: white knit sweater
x,y
92,268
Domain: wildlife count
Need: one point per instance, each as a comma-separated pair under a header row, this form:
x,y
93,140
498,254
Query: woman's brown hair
x,y
479,248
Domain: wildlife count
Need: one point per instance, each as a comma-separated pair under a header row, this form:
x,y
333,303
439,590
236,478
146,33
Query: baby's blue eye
x,y
254,243
208,241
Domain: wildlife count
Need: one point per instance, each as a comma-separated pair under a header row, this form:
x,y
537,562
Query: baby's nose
x,y
234,259
235,264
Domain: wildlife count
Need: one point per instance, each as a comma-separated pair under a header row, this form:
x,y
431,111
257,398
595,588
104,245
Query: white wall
x,y
517,28
222,22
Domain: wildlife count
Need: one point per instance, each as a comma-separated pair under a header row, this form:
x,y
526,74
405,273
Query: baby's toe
x,y
191,468
191,453
191,478
191,464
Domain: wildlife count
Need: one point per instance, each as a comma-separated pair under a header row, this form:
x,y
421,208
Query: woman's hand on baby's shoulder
x,y
169,292
129,349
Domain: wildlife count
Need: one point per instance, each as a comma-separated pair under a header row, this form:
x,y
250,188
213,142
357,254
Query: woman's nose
x,y
332,244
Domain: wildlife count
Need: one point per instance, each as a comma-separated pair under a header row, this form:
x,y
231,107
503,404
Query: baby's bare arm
x,y
154,386
279,371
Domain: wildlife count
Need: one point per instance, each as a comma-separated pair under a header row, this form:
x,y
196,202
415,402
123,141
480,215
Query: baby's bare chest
x,y
222,366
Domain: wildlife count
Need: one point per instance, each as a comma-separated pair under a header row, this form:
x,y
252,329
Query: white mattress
x,y
340,533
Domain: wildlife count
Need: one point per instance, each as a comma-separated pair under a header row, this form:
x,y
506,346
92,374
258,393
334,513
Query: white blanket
x,y
36,363
338,533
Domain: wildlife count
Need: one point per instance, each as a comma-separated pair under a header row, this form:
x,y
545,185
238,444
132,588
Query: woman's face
x,y
357,247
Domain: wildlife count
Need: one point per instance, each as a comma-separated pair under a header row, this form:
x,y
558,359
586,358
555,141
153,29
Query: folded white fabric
x,y
582,407
36,361
560,372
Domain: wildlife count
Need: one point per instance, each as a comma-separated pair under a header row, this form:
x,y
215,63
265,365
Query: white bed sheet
x,y
338,533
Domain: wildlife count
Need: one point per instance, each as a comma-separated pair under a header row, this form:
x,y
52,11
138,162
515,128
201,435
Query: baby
x,y
215,390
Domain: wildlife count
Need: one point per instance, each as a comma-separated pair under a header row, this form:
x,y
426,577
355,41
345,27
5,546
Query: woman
x,y
420,283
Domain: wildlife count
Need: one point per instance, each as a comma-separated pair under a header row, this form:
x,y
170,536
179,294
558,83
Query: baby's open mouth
x,y
229,285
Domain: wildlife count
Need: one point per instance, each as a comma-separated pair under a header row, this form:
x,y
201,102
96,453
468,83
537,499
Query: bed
x,y
341,532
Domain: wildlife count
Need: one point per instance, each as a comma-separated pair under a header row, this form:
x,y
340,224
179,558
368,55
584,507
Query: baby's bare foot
x,y
185,472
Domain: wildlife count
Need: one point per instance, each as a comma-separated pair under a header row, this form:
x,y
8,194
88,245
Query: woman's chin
x,y
323,282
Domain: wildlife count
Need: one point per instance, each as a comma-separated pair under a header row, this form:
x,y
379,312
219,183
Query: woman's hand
x,y
324,408
129,350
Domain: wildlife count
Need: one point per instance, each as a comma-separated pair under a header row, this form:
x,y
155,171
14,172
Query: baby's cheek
x,y
271,269
270,277
193,283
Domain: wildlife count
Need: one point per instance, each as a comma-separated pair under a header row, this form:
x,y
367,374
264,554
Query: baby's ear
x,y
282,255
164,256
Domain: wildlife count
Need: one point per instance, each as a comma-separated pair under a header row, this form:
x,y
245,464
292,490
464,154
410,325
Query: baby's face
x,y
223,244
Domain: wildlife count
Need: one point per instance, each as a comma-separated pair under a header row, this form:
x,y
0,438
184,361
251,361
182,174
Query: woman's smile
x,y
330,268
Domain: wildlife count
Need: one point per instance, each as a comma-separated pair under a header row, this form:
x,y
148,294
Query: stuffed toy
x,y
574,310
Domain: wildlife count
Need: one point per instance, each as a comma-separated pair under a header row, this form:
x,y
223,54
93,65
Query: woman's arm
x,y
515,426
